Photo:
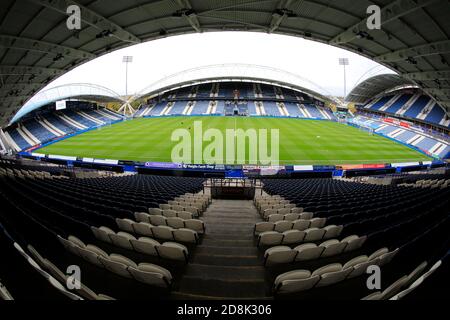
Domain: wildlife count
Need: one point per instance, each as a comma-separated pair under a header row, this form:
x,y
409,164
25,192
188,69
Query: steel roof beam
x,y
416,52
91,18
391,12
42,47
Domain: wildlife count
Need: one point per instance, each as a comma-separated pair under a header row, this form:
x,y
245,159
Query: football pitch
x,y
300,141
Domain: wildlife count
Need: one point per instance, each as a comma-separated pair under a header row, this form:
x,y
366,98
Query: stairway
x,y
227,263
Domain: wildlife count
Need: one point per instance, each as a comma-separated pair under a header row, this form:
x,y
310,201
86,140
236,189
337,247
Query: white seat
x,y
296,210
284,211
185,215
122,239
165,206
185,235
332,247
125,224
263,227
292,275
168,213
279,255
308,251
282,226
354,242
163,232
177,208
145,245
196,225
118,264
313,234
332,231
275,217
143,229
92,253
375,296
270,238
394,288
69,246
306,215
355,261
378,253
55,271
142,217
155,211
291,216
301,224
102,233
326,269
361,268
36,256
158,220
76,241
152,274
173,251
176,223
297,285
387,257
414,275
268,212
293,236
317,222
330,278
192,210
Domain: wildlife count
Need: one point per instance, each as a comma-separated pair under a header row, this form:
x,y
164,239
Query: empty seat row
x,y
188,217
200,205
194,210
4,293
311,251
51,280
285,225
397,286
174,222
301,280
271,206
417,282
83,290
273,238
168,250
290,216
144,272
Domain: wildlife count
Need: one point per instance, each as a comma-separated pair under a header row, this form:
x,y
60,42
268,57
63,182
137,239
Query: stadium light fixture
x,y
127,60
344,62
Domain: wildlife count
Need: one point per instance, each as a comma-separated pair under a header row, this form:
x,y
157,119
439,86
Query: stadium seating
x,y
411,107
427,142
197,97
49,126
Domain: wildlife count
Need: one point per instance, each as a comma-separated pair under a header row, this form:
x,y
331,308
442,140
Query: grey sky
x,y
156,59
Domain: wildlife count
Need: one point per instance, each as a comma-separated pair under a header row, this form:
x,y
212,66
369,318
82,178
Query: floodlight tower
x,y
127,60
127,107
344,62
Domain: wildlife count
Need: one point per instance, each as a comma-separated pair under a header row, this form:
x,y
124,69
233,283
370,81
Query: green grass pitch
x,y
301,141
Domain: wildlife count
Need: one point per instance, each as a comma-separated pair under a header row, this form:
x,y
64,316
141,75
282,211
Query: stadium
x,y
229,181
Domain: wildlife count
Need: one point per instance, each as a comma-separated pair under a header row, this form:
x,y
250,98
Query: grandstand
x,y
95,206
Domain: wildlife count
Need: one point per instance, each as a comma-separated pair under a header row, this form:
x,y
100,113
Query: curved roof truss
x,y
413,39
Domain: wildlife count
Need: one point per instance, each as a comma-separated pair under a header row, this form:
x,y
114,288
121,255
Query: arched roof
x,y
235,72
36,46
70,91
377,85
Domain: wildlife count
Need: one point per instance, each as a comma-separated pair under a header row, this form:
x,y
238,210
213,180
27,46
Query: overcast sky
x,y
156,59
